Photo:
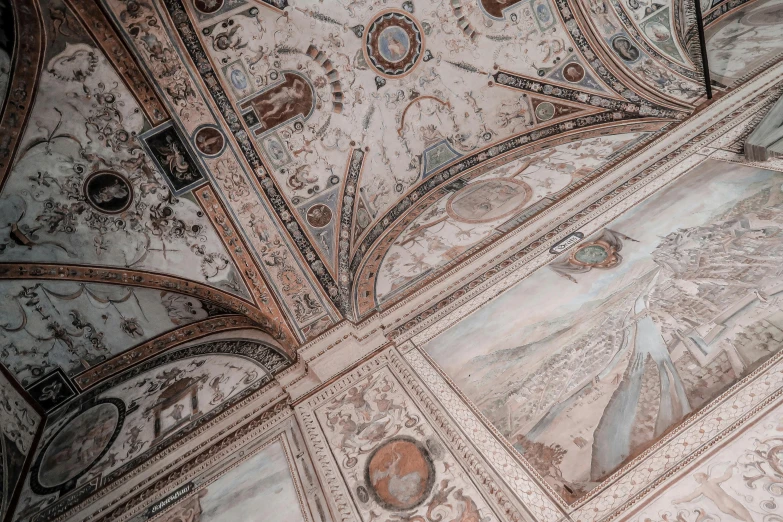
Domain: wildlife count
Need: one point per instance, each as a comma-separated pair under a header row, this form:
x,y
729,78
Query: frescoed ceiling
x,y
202,202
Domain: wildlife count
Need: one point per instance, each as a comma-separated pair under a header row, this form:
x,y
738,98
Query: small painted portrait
x,y
237,78
625,49
276,150
393,44
108,192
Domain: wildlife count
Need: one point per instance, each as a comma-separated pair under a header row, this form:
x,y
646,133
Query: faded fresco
x,y
74,326
744,40
394,463
487,207
18,425
589,361
83,190
741,482
121,423
261,484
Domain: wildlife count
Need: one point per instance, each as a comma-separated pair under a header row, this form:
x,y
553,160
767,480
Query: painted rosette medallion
x,y
394,43
400,474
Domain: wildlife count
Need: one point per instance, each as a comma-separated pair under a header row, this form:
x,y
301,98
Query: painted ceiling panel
x,y
83,190
74,326
216,217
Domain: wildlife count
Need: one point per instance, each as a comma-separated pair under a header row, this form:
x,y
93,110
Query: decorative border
x,y
189,36
29,50
278,326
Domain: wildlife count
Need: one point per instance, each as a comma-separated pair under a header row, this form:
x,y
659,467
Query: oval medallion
x,y
78,445
545,111
591,254
400,474
573,72
108,192
488,200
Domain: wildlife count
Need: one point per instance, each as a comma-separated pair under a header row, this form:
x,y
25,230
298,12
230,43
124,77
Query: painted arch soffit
x,y
339,116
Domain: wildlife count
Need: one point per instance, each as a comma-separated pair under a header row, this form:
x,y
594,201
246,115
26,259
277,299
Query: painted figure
x,y
711,488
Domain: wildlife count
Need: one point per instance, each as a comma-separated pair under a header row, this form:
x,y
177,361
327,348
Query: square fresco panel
x,y
590,360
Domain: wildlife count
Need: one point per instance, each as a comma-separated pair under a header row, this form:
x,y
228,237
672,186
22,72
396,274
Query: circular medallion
x,y
319,215
573,72
78,446
545,111
625,49
108,192
400,474
208,6
657,32
488,200
393,43
209,141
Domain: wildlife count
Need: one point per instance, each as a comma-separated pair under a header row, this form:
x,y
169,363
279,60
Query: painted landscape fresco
x,y
261,488
590,360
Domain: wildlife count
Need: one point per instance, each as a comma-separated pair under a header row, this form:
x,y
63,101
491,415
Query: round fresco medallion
x,y
393,43
319,215
625,49
400,474
209,141
545,111
573,72
488,200
657,32
108,192
208,6
78,445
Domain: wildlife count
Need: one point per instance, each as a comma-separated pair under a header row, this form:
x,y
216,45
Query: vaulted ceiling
x,y
191,190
